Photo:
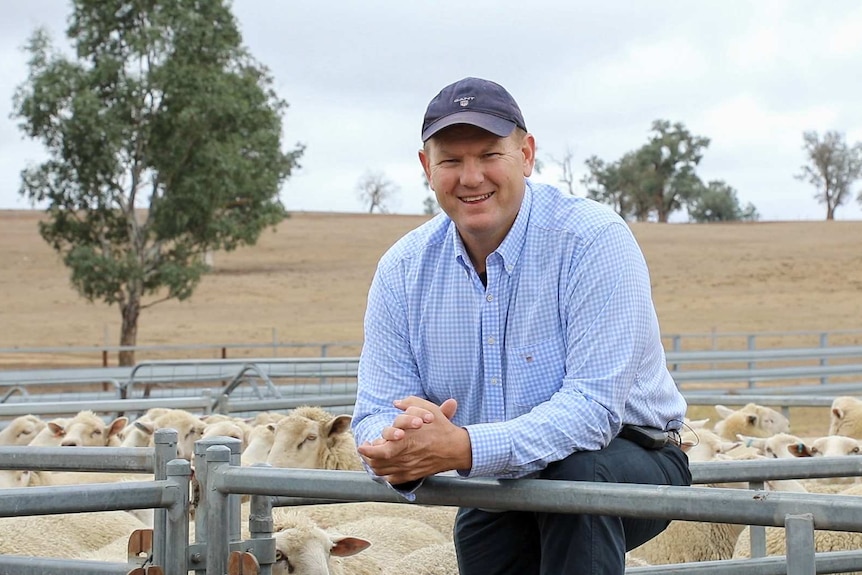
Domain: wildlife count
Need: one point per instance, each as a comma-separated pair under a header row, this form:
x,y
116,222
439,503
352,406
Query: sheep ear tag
x,y
242,563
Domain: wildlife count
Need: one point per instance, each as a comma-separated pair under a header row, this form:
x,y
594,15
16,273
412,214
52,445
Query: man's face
x,y
479,180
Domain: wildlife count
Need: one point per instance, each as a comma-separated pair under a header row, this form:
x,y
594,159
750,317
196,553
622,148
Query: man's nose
x,y
472,174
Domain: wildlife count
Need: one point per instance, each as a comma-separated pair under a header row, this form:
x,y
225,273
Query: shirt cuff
x,y
406,490
491,448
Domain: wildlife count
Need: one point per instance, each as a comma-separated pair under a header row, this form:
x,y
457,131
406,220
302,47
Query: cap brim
x,y
494,124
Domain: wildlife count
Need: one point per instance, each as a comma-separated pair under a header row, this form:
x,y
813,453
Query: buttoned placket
x,y
492,319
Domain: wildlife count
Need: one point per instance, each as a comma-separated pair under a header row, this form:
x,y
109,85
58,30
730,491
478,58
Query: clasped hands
x,y
420,442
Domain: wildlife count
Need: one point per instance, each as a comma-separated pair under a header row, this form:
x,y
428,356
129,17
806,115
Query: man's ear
x,y
528,148
426,167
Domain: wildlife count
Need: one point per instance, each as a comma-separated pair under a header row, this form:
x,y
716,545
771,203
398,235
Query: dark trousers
x,y
527,543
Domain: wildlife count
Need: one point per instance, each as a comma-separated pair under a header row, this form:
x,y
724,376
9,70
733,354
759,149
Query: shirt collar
x,y
510,249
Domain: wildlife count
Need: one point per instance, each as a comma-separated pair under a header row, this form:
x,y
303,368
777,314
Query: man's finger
x,y
449,407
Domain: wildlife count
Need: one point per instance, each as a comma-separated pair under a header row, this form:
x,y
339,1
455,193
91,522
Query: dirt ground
x,y
307,280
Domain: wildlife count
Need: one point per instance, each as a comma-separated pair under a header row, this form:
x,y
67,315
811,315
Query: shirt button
x,y
489,297
491,340
494,380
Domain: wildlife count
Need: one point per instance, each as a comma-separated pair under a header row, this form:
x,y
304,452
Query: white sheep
x,y
434,559
752,420
690,541
441,518
823,540
87,429
260,441
136,434
230,427
704,445
391,540
778,446
303,548
846,417
189,428
64,535
310,438
52,434
21,430
11,478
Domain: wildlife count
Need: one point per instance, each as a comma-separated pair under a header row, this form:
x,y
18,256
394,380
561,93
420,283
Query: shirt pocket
x,y
535,372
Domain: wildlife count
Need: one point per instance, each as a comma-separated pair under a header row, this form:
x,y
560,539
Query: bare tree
x,y
565,164
376,191
832,168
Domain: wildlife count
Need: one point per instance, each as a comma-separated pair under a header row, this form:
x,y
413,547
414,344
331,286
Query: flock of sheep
x,y
381,538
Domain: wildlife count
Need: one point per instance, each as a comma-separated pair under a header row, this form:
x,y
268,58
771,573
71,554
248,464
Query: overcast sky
x,y
590,77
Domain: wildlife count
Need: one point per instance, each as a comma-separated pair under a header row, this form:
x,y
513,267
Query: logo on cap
x,y
465,101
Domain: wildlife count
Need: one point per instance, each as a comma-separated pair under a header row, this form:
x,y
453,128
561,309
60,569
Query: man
x,y
513,336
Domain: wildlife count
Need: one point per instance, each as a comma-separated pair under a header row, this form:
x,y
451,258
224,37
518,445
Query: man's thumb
x,y
449,407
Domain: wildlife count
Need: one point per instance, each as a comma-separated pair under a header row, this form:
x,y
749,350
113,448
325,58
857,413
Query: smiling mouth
x,y
476,199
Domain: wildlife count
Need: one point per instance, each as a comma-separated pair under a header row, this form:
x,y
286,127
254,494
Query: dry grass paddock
x,y
308,279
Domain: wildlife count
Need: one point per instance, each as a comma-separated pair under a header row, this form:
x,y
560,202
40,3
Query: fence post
x,y
799,531
260,526
675,346
757,533
177,526
218,514
165,443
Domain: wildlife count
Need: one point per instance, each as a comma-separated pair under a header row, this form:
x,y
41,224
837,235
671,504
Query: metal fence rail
x,y
223,480
800,514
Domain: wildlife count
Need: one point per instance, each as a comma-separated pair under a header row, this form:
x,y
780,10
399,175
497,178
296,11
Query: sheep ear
x,y
723,411
752,419
340,424
838,412
798,450
57,429
117,425
144,426
347,546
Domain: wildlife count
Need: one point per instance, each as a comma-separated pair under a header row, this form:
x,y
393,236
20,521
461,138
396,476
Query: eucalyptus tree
x,y
833,167
164,142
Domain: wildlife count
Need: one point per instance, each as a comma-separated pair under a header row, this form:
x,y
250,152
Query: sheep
x,y
846,417
12,478
260,442
828,446
441,518
189,428
752,419
823,540
316,442
87,429
21,430
390,539
778,446
65,535
228,428
52,434
704,445
138,434
303,548
434,559
266,417
690,541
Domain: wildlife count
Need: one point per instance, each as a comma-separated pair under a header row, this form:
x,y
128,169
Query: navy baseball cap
x,y
473,101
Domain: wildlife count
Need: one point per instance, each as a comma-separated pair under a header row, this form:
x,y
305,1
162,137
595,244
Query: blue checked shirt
x,y
560,349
